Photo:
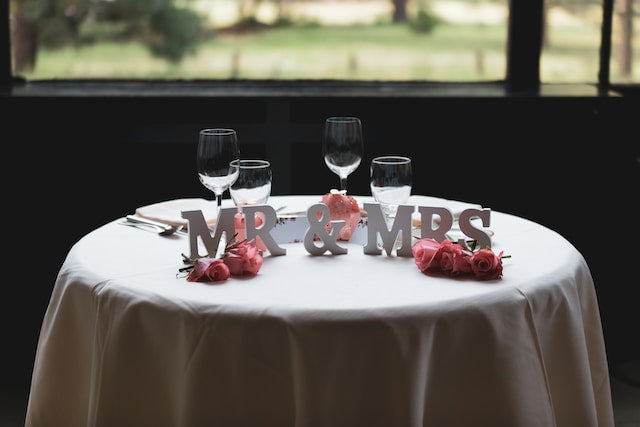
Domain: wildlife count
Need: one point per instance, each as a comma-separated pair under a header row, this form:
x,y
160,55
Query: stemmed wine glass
x,y
391,183
217,149
342,146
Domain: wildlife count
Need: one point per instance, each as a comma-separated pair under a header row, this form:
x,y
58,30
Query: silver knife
x,y
139,220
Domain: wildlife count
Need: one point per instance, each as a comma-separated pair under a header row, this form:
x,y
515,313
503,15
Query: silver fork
x,y
161,228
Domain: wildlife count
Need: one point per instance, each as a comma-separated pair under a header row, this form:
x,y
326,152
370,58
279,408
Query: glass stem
x,y
218,205
343,183
223,241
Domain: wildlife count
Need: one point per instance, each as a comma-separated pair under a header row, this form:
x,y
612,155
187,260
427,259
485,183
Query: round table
x,y
330,340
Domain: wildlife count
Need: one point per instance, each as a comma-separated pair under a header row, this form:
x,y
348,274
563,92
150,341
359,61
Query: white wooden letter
x,y
376,224
426,222
198,228
264,231
483,239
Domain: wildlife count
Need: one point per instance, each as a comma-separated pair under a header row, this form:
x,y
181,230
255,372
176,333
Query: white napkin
x,y
170,212
456,207
298,205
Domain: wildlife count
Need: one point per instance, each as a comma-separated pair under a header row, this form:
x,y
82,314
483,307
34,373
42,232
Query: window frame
x,y
524,35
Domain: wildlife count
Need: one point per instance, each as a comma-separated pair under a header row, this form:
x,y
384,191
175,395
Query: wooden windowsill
x,y
289,89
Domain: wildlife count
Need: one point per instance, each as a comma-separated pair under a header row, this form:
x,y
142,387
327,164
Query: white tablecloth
x,y
345,340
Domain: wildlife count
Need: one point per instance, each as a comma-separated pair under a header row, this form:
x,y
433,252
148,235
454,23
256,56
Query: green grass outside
x,y
368,52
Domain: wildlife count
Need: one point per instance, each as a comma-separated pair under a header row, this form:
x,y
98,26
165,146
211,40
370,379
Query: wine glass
x,y
342,146
217,149
391,183
253,187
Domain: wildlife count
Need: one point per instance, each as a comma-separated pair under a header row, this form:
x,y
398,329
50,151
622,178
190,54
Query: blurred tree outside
x,y
168,31
624,14
400,10
174,29
573,6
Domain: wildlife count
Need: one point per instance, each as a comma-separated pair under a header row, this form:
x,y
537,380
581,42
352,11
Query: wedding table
x,y
329,340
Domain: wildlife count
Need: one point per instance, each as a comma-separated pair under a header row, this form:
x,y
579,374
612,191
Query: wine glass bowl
x,y
217,148
253,185
342,146
390,183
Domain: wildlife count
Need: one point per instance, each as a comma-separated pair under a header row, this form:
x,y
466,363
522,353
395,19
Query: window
x,y
338,40
495,41
365,40
572,34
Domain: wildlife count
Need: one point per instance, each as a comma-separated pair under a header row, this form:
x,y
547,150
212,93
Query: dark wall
x,y
73,164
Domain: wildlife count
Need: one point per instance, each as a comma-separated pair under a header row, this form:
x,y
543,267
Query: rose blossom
x,y
208,270
243,258
342,208
486,265
452,260
424,254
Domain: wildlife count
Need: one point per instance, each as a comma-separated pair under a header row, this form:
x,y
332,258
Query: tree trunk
x,y
399,10
546,12
625,18
24,42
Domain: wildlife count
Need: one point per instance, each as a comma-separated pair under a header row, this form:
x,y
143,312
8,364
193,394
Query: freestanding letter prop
x,y
198,228
328,241
376,224
426,222
270,219
483,239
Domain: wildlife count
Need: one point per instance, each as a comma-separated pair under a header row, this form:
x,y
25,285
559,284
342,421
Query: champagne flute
x,y
217,149
253,187
391,183
342,146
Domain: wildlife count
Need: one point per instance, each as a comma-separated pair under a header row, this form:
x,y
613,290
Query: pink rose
x,y
343,208
424,254
461,265
243,258
208,270
486,265
449,258
452,260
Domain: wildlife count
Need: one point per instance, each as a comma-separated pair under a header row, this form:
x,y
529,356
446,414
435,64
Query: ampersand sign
x,y
328,241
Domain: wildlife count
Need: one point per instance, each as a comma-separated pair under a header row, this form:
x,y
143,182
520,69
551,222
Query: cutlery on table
x,y
163,229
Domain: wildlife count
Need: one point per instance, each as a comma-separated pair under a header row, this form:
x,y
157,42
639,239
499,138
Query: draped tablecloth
x,y
330,340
